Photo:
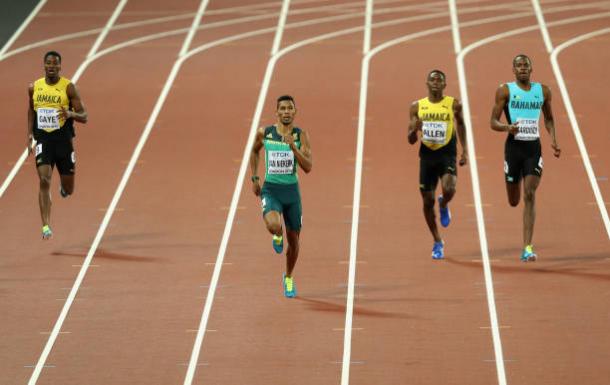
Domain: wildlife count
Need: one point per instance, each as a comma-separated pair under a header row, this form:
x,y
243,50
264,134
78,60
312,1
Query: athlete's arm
x,y
31,118
414,123
496,112
303,155
549,121
461,130
78,111
254,159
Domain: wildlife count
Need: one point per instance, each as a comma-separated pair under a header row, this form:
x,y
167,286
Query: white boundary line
x,y
353,247
455,27
87,262
545,32
574,122
21,28
476,190
207,309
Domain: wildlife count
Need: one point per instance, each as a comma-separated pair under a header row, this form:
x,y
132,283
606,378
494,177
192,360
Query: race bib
x,y
434,132
528,129
280,162
48,119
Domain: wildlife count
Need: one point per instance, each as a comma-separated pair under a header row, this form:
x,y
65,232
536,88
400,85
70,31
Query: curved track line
x,y
87,262
574,122
475,177
22,27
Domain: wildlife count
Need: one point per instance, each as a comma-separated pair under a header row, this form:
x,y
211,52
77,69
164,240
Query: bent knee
x,y
513,202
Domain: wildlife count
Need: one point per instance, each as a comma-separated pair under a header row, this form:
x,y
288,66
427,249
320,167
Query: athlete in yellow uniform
x,y
434,118
54,105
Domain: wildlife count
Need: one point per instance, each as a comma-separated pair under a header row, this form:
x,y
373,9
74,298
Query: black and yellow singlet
x,y
438,132
48,99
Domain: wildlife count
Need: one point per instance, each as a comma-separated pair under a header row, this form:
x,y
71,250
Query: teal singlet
x,y
523,109
280,163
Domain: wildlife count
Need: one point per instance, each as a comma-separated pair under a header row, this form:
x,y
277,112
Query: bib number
x,y
48,119
434,132
528,129
280,162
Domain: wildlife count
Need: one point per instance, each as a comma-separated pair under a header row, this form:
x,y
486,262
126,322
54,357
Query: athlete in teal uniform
x,y
521,101
285,147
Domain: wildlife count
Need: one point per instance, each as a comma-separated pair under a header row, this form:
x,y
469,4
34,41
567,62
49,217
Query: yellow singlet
x,y
437,118
48,100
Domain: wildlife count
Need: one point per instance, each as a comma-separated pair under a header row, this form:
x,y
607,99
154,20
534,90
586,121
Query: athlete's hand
x,y
556,149
464,158
513,129
288,139
64,114
31,144
256,188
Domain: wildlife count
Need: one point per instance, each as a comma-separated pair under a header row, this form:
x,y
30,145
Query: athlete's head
x,y
52,64
286,109
436,81
522,67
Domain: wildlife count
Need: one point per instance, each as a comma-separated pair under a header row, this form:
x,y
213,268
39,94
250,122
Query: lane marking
x,y
574,122
543,30
106,220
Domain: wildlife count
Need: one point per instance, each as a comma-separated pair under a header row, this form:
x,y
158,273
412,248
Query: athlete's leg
x,y
530,184
273,221
292,254
45,172
428,199
67,184
513,191
448,183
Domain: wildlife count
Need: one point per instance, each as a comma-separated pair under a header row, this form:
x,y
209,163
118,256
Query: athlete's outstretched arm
x,y
78,111
461,130
31,118
414,123
496,113
303,155
254,159
549,121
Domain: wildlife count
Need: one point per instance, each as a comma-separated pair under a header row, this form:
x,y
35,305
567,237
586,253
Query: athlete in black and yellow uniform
x,y
286,147
434,118
522,101
54,105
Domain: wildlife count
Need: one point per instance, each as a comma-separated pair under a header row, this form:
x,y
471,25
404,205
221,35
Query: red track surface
x,y
416,321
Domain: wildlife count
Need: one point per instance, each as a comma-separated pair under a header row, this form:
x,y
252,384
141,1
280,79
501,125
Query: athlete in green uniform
x,y
285,147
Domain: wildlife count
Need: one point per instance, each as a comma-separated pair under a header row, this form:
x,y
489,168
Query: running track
x,y
160,227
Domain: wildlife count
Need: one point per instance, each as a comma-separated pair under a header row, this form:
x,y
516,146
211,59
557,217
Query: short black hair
x,y
283,98
52,53
438,72
521,56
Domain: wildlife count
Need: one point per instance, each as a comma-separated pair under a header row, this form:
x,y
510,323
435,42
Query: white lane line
x,y
476,190
599,199
280,27
455,27
109,213
351,276
22,158
543,29
21,28
207,309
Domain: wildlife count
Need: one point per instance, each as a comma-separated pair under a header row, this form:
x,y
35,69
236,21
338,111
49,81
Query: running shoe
x,y
445,213
62,192
278,243
528,254
437,250
46,232
290,290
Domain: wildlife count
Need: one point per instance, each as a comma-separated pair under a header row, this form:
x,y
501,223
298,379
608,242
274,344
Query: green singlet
x,y
280,164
